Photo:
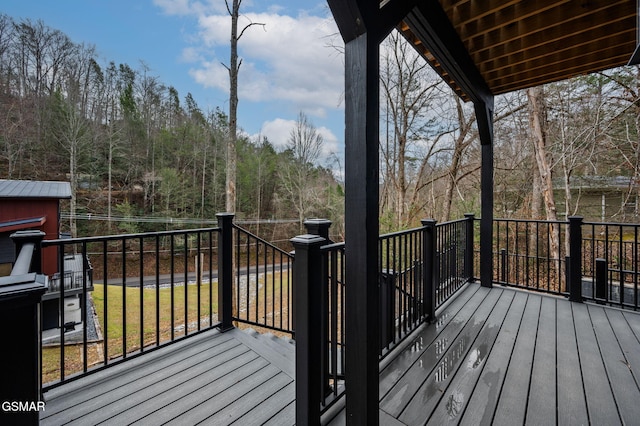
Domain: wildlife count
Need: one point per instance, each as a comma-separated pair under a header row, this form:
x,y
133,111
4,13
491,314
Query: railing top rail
x,y
333,246
23,262
561,222
78,240
451,222
635,225
276,248
400,233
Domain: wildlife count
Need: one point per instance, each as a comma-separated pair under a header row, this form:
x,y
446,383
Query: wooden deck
x,y
498,356
508,357
213,378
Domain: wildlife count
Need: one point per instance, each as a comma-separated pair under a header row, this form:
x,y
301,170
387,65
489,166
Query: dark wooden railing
x,y
420,269
153,289
611,263
262,283
149,290
530,254
581,260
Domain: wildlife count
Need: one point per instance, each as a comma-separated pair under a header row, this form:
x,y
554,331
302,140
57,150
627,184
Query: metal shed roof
x,y
34,189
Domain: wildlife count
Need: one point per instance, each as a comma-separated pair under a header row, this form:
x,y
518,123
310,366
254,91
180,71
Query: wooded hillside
x,y
132,146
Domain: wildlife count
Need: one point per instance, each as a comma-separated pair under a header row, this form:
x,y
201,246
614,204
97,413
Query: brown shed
x,y
30,205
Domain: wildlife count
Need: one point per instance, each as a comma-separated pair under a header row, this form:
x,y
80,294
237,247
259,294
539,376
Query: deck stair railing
x,y
262,285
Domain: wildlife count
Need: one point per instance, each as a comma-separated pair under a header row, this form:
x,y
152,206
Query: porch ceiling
x,y
516,44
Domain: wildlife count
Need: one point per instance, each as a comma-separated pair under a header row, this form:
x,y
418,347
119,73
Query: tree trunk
x,y
537,124
536,121
234,68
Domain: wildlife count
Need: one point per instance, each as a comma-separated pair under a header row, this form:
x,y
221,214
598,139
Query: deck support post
x,y
362,227
429,265
225,271
468,251
484,117
320,227
307,278
575,258
20,295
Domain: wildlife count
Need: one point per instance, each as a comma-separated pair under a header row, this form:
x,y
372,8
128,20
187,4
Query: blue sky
x,y
287,67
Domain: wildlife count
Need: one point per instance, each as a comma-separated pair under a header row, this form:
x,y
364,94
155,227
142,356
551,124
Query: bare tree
x,y
538,126
408,90
297,174
234,69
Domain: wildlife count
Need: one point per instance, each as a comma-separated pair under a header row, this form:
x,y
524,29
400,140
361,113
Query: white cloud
x,y
174,7
278,131
286,60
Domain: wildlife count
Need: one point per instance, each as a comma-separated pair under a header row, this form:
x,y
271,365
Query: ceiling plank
x,y
518,44
431,25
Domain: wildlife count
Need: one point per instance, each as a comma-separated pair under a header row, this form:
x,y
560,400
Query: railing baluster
x,y
635,263
621,264
172,286
83,305
185,285
105,286
124,297
157,238
141,292
61,250
210,278
198,278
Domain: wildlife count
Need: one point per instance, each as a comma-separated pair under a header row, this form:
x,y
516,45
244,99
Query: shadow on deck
x,y
498,356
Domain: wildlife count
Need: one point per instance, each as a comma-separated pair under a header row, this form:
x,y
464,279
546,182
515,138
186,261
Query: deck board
x,y
454,399
542,389
134,373
193,380
483,400
268,408
399,365
572,406
548,360
219,396
601,405
623,384
512,403
162,407
285,417
404,389
627,341
424,400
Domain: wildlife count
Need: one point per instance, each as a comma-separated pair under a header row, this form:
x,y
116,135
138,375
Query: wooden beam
x,y
432,26
362,107
356,17
484,118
